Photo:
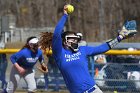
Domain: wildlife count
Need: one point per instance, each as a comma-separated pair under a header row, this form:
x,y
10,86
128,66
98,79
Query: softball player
x,y
72,59
23,63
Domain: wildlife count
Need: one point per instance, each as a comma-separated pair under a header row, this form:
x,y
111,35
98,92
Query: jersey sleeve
x,y
98,49
16,56
57,40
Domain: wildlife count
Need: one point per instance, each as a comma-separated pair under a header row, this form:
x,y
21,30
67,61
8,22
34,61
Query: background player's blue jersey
x,y
74,66
26,58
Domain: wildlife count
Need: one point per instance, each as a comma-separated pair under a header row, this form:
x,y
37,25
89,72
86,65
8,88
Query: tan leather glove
x,y
42,68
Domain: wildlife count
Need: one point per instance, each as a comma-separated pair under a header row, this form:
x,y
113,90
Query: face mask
x,y
34,47
72,42
33,43
74,47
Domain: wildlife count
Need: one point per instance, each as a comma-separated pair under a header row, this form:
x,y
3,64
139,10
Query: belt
x,y
90,90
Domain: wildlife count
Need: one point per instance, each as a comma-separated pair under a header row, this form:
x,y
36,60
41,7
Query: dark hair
x,y
27,41
46,40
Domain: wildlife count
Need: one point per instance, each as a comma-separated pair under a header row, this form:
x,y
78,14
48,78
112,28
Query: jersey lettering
x,y
72,57
32,60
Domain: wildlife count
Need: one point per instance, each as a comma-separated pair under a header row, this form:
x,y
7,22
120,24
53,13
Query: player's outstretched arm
x,y
128,30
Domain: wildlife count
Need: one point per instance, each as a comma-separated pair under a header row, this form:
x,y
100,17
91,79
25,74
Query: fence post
x,y
92,66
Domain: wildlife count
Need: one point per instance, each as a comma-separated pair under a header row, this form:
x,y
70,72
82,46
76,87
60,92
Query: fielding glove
x,y
129,29
43,68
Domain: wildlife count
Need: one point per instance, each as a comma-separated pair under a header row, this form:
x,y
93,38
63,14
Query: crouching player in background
x,y
23,63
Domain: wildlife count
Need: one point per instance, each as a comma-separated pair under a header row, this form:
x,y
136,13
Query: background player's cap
x,y
79,34
33,41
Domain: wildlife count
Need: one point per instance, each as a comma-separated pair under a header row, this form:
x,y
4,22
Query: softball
x,y
70,9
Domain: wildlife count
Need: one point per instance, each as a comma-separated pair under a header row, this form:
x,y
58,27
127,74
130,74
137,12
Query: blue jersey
x,y
26,58
74,66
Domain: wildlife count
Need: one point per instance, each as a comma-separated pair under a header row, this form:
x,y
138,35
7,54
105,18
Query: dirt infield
x,y
68,92
41,91
63,91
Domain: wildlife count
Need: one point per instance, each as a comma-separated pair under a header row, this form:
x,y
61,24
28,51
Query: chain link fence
x,y
120,73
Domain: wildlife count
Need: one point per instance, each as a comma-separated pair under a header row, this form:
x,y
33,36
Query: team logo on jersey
x,y
32,60
72,57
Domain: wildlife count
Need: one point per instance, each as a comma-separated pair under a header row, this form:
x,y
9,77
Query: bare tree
x,y
97,19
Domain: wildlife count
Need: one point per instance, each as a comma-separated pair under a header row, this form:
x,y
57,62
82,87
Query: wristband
x,y
114,42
